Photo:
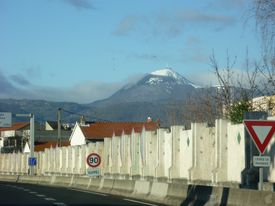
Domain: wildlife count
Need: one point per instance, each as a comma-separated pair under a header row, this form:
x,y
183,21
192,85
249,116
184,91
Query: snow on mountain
x,y
157,77
160,85
166,72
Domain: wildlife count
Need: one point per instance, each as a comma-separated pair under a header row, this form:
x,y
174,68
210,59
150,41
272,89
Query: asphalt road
x,y
19,193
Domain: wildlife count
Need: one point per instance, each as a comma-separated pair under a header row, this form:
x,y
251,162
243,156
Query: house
x,y
52,125
97,131
49,138
13,139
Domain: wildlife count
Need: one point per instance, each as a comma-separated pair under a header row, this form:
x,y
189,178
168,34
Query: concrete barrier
x,y
63,180
159,190
45,180
123,187
9,178
176,193
95,183
250,197
29,179
107,185
142,188
82,182
164,193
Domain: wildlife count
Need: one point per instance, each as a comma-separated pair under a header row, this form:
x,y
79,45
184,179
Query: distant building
x,y
97,131
16,138
52,125
13,139
49,138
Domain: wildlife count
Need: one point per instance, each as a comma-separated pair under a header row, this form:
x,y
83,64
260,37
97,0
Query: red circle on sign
x,y
93,160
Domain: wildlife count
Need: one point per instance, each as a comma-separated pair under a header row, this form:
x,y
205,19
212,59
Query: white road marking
x,y
144,203
49,199
39,195
94,193
59,203
32,192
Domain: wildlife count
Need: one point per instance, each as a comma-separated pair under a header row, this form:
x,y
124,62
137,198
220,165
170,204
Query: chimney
x,y
82,120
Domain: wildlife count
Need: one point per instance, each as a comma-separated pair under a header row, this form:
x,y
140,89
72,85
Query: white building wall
x,y
77,137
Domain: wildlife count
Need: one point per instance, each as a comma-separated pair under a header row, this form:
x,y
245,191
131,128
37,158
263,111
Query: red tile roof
x,y
15,126
100,130
41,146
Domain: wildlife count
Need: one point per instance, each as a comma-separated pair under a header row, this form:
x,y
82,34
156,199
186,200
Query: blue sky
x,y
84,50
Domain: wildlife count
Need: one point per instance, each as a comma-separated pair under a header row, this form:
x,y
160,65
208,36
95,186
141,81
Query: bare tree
x,y
265,18
202,106
236,90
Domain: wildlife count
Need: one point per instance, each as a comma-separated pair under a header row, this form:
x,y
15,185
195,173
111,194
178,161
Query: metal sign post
x,y
31,116
261,178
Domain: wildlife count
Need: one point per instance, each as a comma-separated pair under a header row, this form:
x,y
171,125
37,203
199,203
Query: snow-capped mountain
x,y
160,85
169,73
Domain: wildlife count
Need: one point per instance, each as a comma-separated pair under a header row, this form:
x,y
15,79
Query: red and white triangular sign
x,y
261,132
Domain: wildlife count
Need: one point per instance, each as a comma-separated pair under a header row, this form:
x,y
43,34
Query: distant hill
x,y
160,95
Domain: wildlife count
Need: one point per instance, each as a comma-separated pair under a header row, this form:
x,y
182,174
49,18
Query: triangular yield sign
x,y
261,132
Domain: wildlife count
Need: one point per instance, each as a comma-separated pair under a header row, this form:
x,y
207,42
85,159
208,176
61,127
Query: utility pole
x,y
59,127
32,142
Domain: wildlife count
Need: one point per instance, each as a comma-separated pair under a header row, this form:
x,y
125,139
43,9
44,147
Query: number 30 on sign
x,y
93,160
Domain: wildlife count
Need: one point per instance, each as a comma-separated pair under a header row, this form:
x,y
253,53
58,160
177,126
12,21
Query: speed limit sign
x,y
93,160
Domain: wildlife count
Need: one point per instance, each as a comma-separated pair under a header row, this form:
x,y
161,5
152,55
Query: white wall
x,y
150,150
212,154
164,153
136,167
236,152
221,151
125,149
181,152
203,152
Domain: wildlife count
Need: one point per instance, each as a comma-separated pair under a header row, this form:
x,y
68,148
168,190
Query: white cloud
x,y
84,92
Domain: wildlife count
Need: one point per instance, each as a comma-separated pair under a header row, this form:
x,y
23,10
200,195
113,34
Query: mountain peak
x,y
166,72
